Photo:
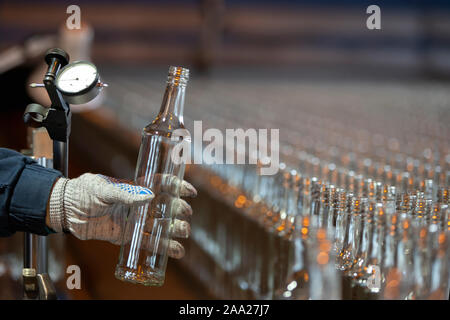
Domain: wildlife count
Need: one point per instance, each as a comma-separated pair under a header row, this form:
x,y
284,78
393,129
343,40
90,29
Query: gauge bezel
x,y
85,90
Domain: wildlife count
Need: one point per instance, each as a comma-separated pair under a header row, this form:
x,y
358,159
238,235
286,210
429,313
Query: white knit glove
x,y
94,206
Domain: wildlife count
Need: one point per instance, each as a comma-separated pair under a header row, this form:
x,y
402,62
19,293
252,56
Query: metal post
x,y
28,250
61,157
42,241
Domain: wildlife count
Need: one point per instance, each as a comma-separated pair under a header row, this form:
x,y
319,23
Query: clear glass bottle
x,y
439,286
346,257
324,278
297,284
145,240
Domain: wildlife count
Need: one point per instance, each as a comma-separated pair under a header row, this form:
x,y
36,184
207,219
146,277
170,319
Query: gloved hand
x,y
94,206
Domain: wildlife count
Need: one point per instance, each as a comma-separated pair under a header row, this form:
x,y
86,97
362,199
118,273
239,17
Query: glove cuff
x,y
56,207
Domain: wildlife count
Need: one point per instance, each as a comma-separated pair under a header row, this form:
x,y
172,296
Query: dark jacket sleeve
x,y
24,192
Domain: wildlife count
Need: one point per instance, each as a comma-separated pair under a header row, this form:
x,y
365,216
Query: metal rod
x,y
37,85
28,250
42,254
61,157
42,241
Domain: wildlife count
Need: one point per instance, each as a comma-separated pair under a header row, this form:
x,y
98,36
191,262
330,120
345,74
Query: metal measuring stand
x,y
76,83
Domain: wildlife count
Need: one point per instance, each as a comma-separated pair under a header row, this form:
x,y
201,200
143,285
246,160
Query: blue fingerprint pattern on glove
x,y
126,186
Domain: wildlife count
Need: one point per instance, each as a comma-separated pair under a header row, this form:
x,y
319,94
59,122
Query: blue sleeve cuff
x,y
29,201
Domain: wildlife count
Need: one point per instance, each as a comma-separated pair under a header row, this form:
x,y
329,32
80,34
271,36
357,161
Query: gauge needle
x,y
69,79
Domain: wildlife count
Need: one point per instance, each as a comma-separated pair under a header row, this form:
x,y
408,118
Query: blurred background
x,y
301,66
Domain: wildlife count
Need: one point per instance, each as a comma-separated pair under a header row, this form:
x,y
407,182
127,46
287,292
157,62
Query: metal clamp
x,y
47,290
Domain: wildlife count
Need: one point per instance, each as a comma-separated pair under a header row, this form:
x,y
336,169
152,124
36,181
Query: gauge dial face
x,y
76,77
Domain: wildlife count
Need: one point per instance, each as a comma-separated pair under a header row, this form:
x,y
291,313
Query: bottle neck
x,y
172,106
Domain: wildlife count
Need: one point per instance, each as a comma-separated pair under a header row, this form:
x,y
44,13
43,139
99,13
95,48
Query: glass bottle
x,y
373,276
297,284
398,269
439,288
281,242
357,271
421,264
285,231
352,235
324,278
146,236
341,219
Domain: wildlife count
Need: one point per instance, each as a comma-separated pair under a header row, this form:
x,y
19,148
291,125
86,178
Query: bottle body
x,y
146,236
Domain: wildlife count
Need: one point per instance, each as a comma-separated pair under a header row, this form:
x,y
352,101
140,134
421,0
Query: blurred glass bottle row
x,y
298,237
333,223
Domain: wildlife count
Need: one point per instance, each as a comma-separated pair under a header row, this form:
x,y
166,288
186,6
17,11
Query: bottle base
x,y
151,279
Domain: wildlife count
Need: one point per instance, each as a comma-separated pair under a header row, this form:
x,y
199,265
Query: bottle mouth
x,y
178,76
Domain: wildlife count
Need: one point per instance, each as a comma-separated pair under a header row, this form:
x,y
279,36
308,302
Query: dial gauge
x,y
79,82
